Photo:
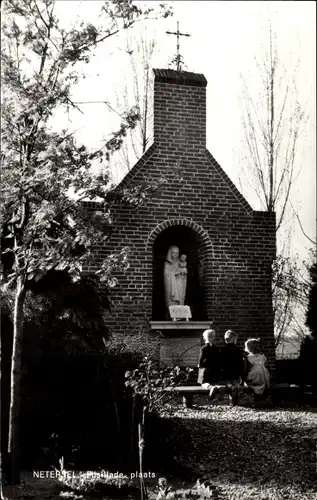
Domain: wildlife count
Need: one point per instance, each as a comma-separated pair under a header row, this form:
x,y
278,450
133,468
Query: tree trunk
x,y
2,497
14,416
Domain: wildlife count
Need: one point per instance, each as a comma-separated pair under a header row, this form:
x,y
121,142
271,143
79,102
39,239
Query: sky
x,y
225,38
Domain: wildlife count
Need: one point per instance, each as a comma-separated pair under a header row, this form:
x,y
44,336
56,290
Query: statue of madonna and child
x,y
175,277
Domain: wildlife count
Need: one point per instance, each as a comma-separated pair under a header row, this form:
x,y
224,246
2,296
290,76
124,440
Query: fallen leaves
x,y
247,452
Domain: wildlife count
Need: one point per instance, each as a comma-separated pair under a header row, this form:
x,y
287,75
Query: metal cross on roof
x,y
178,58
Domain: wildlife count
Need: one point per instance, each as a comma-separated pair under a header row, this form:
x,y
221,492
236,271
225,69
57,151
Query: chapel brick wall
x,y
241,242
180,351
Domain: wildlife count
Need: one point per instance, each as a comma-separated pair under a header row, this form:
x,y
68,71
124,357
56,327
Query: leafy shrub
x,y
311,314
154,385
151,387
76,406
202,491
99,484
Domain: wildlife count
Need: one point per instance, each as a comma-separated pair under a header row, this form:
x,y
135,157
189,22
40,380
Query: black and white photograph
x,y
158,250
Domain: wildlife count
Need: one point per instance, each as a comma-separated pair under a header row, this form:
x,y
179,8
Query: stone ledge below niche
x,y
180,325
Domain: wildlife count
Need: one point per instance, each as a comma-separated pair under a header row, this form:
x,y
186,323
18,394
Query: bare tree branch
x,y
272,119
301,227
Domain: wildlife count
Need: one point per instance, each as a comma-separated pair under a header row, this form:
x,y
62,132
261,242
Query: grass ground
x,y
245,453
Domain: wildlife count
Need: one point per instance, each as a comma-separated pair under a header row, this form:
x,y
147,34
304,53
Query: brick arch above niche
x,y
205,239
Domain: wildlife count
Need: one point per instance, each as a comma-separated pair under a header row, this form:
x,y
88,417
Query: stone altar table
x,y
180,341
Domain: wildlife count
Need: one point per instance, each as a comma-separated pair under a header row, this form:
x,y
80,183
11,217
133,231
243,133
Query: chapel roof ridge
x,y
179,77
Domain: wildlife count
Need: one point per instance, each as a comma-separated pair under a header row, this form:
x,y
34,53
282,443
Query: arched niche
x,y
190,243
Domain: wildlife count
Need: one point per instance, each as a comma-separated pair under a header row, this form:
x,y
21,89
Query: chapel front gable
x,y
178,154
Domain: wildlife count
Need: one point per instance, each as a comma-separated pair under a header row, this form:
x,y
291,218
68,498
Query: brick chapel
x,y
229,246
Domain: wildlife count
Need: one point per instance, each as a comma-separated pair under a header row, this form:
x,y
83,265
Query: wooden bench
x,y
276,391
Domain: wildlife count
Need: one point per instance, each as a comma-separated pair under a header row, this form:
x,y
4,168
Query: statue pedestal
x,y
181,341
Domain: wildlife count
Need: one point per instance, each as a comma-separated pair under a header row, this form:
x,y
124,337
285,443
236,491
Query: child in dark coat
x,y
209,363
232,364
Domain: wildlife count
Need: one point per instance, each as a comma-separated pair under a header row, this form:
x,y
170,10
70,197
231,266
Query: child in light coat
x,y
257,375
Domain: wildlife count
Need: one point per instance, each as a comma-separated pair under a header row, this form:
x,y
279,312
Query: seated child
x,y
209,363
232,366
257,375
